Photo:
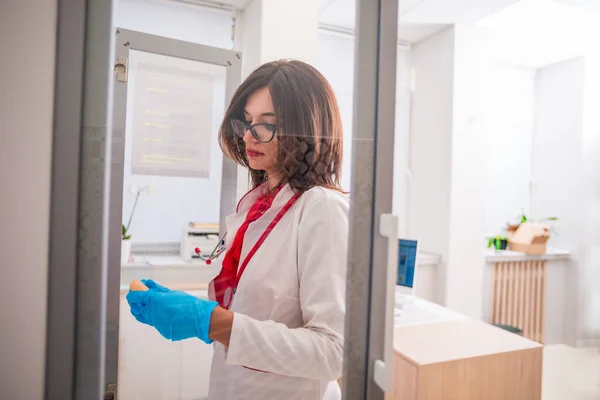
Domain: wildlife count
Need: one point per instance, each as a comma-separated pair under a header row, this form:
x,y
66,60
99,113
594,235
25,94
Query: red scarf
x,y
228,278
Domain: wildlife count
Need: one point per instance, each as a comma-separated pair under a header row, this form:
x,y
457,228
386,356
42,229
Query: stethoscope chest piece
x,y
217,251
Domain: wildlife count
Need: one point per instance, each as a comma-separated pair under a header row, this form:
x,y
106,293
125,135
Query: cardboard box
x,y
530,238
510,231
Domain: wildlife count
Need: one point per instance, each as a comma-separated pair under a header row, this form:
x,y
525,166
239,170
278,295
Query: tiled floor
x,y
571,374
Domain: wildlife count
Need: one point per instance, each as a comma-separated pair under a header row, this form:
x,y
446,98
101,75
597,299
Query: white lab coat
x,y
287,339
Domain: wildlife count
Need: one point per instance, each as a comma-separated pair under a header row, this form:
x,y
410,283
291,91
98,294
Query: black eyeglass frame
x,y
273,129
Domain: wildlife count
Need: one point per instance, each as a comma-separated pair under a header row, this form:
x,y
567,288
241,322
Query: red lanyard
x,y
263,237
226,283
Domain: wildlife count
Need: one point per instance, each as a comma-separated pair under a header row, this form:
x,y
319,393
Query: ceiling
x,y
537,33
525,33
528,33
418,19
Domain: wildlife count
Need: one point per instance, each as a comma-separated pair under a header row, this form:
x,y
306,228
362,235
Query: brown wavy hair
x,y
309,127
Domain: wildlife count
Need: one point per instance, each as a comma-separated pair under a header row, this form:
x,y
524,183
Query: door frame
x,y
372,249
64,199
86,195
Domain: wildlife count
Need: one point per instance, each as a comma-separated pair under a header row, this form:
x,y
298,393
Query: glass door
x,y
150,166
170,188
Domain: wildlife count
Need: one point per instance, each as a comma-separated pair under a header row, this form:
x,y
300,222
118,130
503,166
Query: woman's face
x,y
259,110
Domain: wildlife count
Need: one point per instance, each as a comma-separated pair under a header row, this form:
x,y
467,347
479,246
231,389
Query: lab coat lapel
x,y
233,222
261,224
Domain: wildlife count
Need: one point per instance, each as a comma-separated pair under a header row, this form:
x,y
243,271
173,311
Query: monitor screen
x,y
407,259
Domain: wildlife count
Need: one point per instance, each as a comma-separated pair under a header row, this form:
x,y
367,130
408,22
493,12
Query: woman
x,y
277,306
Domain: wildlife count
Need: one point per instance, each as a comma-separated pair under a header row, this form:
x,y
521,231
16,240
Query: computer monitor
x,y
407,263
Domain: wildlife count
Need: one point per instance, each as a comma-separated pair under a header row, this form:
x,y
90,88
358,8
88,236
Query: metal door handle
x,y
384,369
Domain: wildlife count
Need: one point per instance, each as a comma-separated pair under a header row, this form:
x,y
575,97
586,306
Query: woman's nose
x,y
248,137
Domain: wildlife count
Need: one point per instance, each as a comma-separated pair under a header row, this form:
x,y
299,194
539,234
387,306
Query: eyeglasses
x,y
264,133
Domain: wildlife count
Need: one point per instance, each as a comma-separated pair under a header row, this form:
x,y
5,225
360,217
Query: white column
x,y
446,190
269,30
464,274
431,118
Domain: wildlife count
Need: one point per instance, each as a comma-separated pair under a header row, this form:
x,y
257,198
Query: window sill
x,y
552,254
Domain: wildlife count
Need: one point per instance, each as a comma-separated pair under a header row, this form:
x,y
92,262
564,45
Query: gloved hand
x,y
175,314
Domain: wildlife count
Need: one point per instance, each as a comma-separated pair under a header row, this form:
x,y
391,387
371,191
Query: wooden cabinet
x,y
464,359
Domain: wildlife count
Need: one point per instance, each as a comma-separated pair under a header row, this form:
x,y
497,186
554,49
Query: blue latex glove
x,y
175,314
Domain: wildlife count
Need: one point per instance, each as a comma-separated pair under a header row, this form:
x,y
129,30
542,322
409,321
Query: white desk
x,y
419,311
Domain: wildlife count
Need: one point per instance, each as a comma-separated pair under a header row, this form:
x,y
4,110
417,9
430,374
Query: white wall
x,y
508,126
269,30
558,151
489,140
27,34
332,52
590,276
430,147
248,35
560,157
402,140
335,60
463,117
289,30
558,170
176,20
559,175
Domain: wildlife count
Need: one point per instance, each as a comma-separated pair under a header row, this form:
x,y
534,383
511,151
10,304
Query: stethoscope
x,y
217,251
220,247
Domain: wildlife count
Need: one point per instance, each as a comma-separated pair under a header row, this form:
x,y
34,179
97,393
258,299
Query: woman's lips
x,y
253,153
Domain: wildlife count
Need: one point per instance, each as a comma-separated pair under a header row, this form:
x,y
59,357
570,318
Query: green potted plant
x,y
125,235
498,242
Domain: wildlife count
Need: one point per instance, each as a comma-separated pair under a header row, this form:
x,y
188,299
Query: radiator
x,y
518,296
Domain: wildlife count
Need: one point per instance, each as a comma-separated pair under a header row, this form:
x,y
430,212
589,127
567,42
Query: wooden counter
x,y
464,359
